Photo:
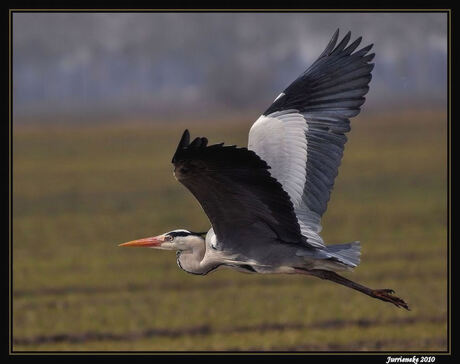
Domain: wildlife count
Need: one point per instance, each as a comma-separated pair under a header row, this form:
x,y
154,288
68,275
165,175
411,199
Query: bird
x,y
265,202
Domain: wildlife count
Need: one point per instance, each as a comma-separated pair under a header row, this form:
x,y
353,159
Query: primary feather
x,y
302,134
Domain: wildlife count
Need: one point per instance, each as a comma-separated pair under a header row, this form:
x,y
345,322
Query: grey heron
x,y
265,202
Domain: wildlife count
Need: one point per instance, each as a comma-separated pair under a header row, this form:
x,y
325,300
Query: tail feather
x,y
348,254
334,257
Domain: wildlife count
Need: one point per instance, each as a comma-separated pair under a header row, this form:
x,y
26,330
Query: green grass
x,y
78,192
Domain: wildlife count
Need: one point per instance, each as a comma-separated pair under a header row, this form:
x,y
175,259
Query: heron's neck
x,y
192,260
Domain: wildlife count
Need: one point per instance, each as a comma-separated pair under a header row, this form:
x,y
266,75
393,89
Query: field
x,y
80,191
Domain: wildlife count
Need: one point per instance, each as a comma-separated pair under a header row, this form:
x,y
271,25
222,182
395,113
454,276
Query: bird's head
x,y
172,240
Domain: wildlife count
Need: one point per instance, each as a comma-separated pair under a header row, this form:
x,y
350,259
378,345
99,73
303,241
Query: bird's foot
x,y
387,295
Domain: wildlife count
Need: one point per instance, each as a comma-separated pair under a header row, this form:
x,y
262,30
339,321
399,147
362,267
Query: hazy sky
x,y
187,63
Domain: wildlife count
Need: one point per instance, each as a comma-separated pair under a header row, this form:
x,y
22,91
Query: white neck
x,y
192,259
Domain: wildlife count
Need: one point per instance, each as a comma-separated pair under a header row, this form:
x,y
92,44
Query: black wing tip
x,y
185,136
347,37
368,47
334,48
185,139
183,143
199,149
335,35
331,45
199,142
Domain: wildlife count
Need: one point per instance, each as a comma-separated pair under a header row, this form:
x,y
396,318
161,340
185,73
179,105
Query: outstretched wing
x,y
236,191
301,135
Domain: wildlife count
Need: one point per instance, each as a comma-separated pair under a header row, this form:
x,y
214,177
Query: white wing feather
x,y
301,135
286,151
279,139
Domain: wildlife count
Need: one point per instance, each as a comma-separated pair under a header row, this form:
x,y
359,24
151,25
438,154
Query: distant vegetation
x,y
189,63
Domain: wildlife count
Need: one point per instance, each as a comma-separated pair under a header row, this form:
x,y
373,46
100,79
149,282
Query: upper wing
x,y
236,191
302,134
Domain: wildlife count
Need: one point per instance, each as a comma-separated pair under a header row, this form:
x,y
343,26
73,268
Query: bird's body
x,y
265,202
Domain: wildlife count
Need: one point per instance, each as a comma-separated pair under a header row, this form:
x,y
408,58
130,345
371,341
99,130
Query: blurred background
x,y
99,103
188,65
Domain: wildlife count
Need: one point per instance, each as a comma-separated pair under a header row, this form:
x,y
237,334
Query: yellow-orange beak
x,y
151,242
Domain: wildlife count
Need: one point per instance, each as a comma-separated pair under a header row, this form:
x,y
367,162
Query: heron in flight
x,y
265,201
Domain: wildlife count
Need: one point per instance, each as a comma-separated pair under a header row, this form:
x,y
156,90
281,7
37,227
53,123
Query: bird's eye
x,y
183,170
168,238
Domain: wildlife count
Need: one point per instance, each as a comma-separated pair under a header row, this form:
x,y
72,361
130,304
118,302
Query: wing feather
x,y
323,98
236,191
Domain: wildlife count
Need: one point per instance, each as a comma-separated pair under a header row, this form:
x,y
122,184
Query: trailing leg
x,y
381,294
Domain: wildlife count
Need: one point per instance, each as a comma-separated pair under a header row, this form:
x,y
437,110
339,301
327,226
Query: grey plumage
x,y
327,94
265,202
315,109
235,189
